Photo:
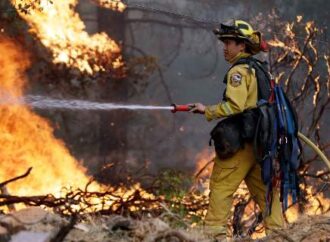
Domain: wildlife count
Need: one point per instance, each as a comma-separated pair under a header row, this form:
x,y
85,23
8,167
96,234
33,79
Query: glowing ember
x,y
60,29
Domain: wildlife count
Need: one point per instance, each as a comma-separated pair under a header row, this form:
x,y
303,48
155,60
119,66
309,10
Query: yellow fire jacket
x,y
241,92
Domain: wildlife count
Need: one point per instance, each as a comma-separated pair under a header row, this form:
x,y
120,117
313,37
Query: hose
x,y
315,148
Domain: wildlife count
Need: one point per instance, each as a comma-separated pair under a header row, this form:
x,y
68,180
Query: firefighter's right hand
x,y
197,108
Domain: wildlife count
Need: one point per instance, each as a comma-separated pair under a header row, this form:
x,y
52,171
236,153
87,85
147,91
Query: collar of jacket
x,y
239,56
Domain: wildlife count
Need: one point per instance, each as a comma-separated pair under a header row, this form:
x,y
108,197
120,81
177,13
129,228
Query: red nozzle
x,y
181,108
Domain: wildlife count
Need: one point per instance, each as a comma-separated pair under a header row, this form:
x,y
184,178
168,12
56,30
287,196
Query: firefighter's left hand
x,y
197,108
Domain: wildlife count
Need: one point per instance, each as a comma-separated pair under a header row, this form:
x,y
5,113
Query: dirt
x,y
35,224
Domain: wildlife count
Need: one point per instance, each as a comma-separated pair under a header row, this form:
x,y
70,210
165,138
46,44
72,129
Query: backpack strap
x,y
288,147
262,75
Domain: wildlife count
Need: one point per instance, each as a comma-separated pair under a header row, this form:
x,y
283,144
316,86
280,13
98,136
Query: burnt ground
x,y
37,225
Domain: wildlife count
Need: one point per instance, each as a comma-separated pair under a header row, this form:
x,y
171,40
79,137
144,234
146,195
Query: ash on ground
x,y
34,224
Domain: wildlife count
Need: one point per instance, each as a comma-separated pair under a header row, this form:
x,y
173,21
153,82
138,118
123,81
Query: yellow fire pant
x,y
226,177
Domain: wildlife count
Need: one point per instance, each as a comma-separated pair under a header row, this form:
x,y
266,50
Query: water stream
x,y
42,102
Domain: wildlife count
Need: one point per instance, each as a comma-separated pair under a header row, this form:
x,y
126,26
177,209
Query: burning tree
x,y
300,62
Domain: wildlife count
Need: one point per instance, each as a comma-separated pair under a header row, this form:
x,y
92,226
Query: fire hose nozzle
x,y
181,108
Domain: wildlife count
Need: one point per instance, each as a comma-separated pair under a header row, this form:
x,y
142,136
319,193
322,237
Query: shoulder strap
x,y
263,78
262,75
241,61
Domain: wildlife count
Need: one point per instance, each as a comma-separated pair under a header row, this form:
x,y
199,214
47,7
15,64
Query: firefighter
x,y
239,41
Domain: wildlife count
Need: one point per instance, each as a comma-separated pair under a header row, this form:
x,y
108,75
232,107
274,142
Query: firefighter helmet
x,y
239,29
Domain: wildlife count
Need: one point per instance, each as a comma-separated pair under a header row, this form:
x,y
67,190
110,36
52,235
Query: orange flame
x,y
203,159
27,140
60,29
203,170
317,203
116,5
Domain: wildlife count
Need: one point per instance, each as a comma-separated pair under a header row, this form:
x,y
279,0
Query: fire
x,y
316,204
27,140
203,170
205,162
116,5
327,61
60,29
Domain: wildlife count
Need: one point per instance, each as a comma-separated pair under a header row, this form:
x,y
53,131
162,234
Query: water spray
x,y
42,102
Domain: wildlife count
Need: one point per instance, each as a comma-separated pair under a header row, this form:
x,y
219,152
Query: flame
x,y
203,170
116,5
299,18
317,90
289,30
60,29
316,204
27,140
203,158
291,48
327,61
276,43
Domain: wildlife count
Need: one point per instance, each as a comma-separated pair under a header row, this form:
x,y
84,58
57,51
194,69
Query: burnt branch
x,y
131,202
203,168
16,178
